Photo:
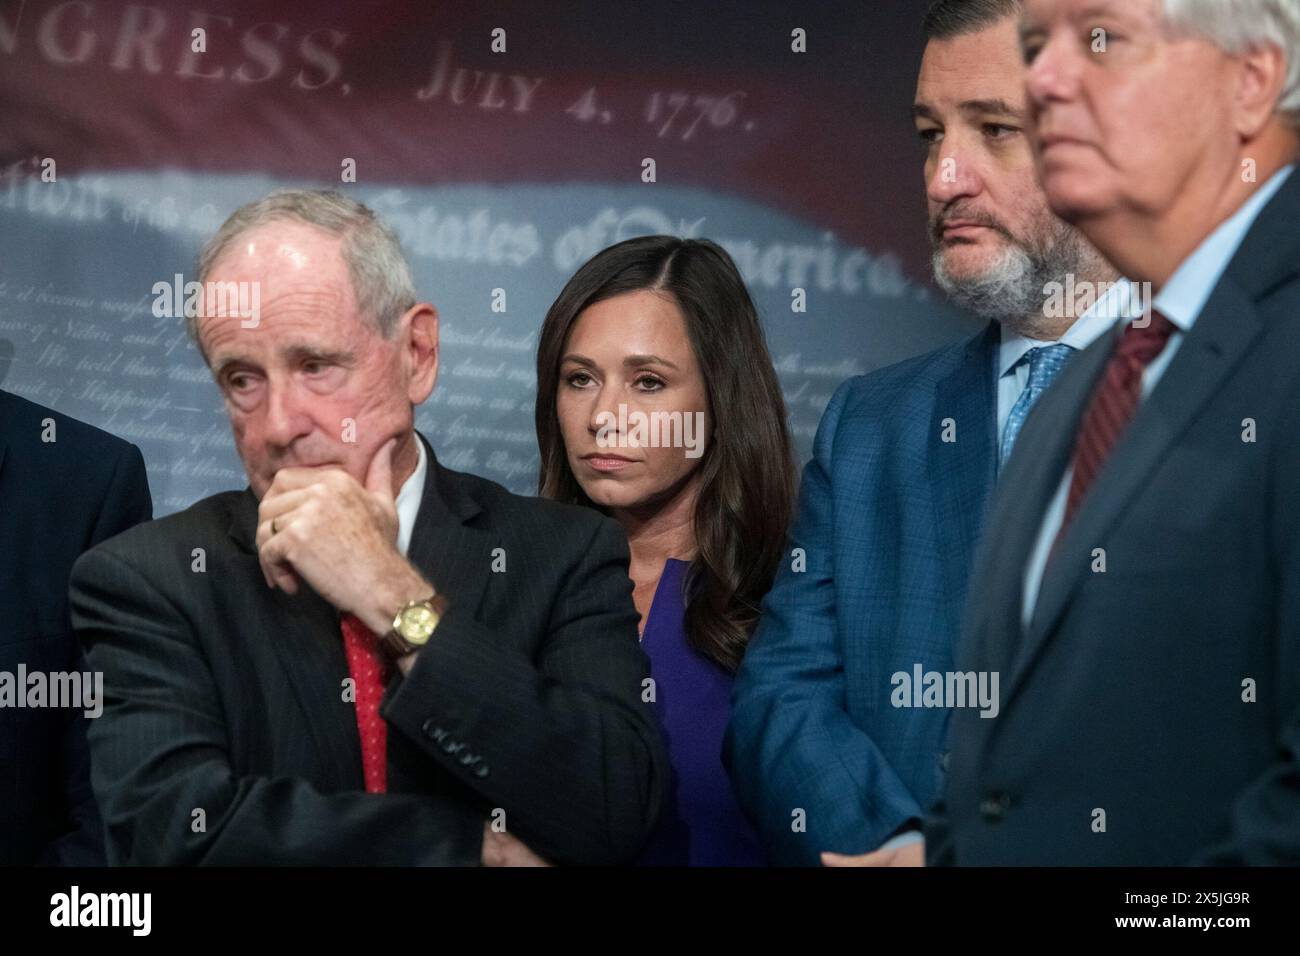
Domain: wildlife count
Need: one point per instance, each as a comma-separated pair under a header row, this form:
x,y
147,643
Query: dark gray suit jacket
x,y
1125,695
57,499
225,697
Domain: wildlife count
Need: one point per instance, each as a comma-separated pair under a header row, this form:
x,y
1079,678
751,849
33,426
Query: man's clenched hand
x,y
321,525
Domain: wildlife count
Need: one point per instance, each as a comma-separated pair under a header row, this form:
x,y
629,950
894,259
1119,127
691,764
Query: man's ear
x,y
420,327
1261,79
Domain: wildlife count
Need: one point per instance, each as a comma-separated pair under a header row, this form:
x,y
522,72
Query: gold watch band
x,y
394,644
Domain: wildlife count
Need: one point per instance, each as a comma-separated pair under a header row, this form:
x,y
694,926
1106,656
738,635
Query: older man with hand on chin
x,y
334,666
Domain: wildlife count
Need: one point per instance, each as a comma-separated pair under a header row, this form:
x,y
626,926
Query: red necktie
x,y
1114,401
369,670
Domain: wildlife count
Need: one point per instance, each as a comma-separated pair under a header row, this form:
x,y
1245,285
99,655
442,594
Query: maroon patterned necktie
x,y
1113,403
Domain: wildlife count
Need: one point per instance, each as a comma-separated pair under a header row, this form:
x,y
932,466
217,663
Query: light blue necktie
x,y
1044,364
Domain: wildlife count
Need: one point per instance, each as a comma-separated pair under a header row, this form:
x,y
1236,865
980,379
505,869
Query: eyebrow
x,y
219,368
294,354
1102,9
308,353
629,362
995,106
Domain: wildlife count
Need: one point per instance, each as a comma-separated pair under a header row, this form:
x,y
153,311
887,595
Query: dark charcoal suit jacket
x,y
1125,694
226,738
57,499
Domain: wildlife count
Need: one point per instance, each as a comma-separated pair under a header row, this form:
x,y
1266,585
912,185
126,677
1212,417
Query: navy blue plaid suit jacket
x,y
889,514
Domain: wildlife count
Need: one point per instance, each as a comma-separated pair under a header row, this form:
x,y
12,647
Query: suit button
x,y
433,731
994,807
467,758
481,770
945,759
450,746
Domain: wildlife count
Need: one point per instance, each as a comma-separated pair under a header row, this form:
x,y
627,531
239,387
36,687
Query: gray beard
x,y
1012,289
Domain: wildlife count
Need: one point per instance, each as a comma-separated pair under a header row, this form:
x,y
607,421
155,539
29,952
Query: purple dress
x,y
701,823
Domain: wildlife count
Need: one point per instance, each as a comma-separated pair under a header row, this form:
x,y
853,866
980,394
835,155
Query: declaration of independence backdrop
x,y
123,146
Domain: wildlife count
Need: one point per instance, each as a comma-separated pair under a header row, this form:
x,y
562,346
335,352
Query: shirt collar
x,y
1119,300
408,498
1188,289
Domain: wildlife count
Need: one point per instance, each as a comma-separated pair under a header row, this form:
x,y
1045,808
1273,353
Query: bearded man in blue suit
x,y
822,753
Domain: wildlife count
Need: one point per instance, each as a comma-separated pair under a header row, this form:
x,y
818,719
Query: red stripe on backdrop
x,y
414,93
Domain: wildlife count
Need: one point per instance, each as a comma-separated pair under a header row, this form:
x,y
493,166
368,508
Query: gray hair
x,y
1236,26
381,277
1013,288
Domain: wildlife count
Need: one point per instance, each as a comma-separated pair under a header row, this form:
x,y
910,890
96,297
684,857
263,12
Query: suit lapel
x,y
447,544
1218,340
1032,474
1225,330
967,395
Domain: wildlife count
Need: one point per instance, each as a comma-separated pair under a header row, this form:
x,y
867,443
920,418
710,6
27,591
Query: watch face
x,y
418,623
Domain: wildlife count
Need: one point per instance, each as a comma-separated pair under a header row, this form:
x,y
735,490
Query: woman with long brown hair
x,y
658,404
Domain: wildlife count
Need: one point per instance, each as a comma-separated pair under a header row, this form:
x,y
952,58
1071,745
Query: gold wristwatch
x,y
413,626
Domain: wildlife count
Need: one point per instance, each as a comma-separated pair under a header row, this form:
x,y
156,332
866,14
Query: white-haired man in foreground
x,y
1139,588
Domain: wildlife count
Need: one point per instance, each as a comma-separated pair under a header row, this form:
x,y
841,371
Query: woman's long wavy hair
x,y
746,475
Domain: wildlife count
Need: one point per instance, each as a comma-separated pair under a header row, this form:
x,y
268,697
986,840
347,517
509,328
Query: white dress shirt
x,y
408,499
1181,302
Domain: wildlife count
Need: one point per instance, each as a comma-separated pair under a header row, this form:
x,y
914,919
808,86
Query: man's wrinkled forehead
x,y
300,277
280,250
